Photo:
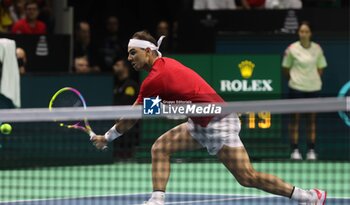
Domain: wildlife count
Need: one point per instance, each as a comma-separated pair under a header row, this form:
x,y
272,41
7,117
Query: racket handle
x,y
91,133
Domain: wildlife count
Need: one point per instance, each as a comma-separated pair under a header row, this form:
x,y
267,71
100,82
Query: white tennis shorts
x,y
220,132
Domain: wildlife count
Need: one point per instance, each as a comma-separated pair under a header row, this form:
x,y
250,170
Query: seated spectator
x,y
17,10
83,45
81,65
125,88
5,17
256,4
111,46
30,24
46,14
218,4
21,60
164,30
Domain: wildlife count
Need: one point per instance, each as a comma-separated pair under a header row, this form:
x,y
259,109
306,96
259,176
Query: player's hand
x,y
99,141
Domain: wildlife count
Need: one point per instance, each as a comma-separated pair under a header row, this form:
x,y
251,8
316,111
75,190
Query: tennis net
x,y
44,163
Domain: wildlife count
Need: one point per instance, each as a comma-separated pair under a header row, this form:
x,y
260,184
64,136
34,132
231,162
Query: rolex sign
x,y
247,74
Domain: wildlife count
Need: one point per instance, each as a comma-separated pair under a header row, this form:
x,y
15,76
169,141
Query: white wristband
x,y
112,134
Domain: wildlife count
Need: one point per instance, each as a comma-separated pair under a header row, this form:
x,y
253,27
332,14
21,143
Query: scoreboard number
x,y
261,119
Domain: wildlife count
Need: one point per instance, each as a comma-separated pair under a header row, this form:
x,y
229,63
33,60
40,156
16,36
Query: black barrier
x,y
205,25
45,53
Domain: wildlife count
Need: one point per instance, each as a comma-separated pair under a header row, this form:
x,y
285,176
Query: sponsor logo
x,y
246,69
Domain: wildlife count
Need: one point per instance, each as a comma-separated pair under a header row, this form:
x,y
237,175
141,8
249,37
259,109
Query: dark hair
x,y
306,23
144,35
30,3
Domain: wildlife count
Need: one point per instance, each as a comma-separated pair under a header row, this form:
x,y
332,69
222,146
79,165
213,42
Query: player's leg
x,y
174,140
311,127
294,136
293,126
237,162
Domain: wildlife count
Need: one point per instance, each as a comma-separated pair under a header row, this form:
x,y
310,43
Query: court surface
x,y
190,184
173,198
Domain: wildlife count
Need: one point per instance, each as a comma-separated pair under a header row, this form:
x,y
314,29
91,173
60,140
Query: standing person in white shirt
x,y
303,64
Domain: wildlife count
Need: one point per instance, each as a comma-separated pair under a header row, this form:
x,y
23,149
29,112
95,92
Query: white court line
x,y
70,198
216,200
245,195
242,195
112,195
234,197
217,194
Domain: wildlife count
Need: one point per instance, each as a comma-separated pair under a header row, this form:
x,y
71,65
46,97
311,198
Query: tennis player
x,y
170,80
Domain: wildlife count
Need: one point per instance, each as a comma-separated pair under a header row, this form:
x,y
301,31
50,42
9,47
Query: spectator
x,y
83,45
81,65
256,4
21,60
17,10
125,93
5,17
30,24
218,4
125,89
111,46
303,64
46,14
163,30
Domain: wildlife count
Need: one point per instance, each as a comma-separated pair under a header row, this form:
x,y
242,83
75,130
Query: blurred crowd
x,y
26,17
101,54
264,4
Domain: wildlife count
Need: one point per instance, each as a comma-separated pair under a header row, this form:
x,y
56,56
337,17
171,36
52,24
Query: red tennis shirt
x,y
23,27
172,81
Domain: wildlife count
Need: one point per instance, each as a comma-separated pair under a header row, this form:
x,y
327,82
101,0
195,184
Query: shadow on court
x,y
186,199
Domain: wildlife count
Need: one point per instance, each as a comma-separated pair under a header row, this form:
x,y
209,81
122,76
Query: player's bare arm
x,y
121,126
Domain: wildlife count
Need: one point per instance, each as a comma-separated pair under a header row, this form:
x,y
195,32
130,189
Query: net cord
x,y
285,106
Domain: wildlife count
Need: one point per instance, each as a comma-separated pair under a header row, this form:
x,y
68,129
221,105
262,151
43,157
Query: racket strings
x,y
67,99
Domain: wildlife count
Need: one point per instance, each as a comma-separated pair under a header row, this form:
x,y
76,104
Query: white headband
x,y
146,44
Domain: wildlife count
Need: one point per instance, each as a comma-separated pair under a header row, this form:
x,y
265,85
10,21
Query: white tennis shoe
x,y
319,197
311,155
296,155
152,202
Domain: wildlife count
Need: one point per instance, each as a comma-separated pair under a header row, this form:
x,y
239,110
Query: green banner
x,y
250,77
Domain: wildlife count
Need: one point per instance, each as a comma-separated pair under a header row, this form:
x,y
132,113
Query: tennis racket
x,y
71,97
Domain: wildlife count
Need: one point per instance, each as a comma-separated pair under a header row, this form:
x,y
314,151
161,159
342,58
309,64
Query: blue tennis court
x,y
173,198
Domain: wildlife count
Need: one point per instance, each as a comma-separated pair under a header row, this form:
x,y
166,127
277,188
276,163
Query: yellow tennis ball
x,y
6,129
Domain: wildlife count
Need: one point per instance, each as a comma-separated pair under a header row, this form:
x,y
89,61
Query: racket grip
x,y
91,133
